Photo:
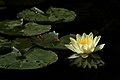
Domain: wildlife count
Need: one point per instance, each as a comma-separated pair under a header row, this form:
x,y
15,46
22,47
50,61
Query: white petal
x,y
96,40
85,47
84,35
78,37
99,47
91,47
81,48
73,56
75,45
72,40
88,48
84,55
91,36
70,47
92,50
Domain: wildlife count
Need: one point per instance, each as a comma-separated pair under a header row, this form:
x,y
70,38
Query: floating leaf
x,y
33,14
63,40
34,58
5,46
60,14
4,42
32,29
52,15
11,27
15,28
50,40
66,39
47,40
23,44
10,24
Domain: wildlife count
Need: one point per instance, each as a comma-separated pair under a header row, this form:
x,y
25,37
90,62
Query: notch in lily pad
x,y
34,58
17,28
51,16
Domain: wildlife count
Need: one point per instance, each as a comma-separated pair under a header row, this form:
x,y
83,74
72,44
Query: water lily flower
x,y
84,45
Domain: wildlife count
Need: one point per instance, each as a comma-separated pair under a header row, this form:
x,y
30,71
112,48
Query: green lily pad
x,y
52,15
32,29
60,14
22,44
16,28
5,45
34,58
50,40
33,14
4,42
10,24
11,27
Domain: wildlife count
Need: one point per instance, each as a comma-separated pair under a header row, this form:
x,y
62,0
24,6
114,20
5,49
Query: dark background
x,y
100,17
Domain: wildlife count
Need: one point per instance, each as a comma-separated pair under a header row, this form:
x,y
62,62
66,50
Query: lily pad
x,y
10,24
4,42
5,45
50,40
35,58
11,27
16,28
60,14
32,29
22,44
33,14
52,15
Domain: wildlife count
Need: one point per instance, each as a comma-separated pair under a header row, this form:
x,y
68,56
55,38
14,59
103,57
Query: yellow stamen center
x,y
85,41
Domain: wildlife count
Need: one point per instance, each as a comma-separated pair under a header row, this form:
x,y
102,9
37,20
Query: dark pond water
x,y
96,16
